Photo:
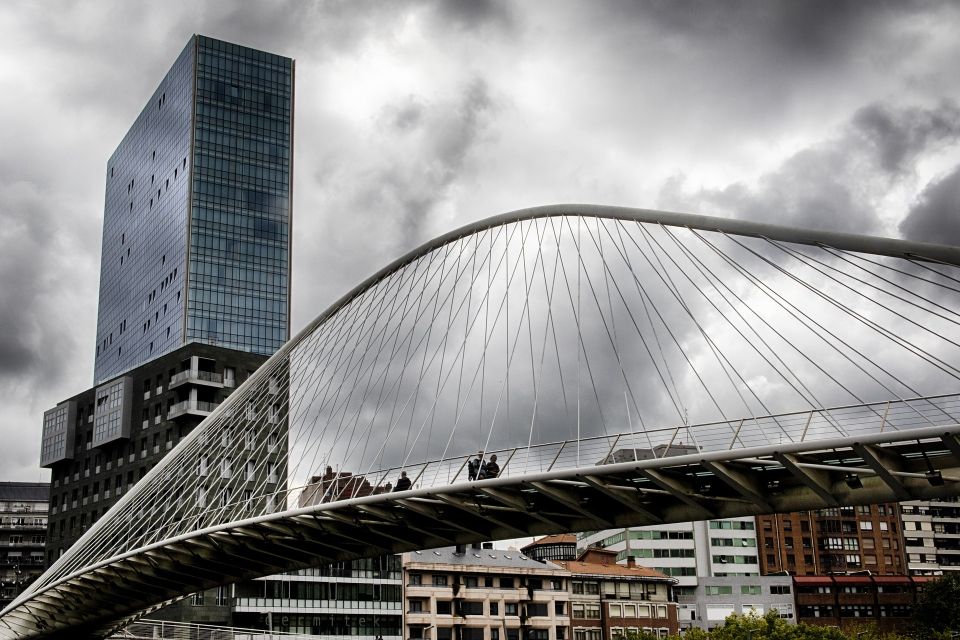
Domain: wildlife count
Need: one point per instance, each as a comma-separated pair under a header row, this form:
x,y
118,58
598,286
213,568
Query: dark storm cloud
x,y
474,14
835,184
416,116
813,31
936,216
37,292
443,135
899,135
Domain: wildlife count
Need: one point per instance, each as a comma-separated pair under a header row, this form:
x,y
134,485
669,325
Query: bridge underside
x,y
885,467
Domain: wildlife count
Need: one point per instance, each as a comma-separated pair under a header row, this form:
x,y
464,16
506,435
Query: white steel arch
x,y
779,361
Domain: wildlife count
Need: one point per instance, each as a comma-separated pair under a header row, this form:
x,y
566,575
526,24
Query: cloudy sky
x,y
415,117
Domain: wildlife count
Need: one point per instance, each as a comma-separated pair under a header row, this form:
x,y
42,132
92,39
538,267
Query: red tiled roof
x,y
593,568
812,579
560,538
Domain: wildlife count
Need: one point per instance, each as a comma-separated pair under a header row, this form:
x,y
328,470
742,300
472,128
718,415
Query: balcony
x,y
191,407
204,378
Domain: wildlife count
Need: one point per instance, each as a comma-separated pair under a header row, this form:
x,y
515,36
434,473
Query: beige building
x,y
480,593
609,600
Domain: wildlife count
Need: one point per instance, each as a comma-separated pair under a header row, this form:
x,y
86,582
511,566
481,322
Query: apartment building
x,y
480,593
23,532
609,600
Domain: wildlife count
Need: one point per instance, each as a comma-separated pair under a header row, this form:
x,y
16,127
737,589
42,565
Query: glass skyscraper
x,y
196,232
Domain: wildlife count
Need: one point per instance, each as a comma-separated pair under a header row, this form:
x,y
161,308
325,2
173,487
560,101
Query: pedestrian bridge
x,y
626,367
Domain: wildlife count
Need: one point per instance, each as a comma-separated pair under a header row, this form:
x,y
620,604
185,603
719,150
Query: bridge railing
x,y
756,431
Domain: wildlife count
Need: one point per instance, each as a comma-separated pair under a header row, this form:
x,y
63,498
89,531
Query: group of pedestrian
x,y
478,469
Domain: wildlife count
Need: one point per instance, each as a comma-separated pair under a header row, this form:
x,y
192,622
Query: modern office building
x,y
724,551
931,531
23,532
360,600
196,230
833,541
194,288
716,598
100,442
481,593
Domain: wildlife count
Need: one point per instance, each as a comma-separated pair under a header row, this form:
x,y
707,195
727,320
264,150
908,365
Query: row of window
x,y
503,582
746,589
239,146
855,611
476,608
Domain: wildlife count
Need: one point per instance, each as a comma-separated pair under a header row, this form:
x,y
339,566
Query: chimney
x,y
459,550
631,561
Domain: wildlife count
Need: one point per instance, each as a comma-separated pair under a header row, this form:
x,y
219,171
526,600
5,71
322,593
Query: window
x,y
866,525
470,582
750,589
560,608
494,608
577,611
509,608
416,606
443,607
506,583
779,589
439,580
538,609
592,611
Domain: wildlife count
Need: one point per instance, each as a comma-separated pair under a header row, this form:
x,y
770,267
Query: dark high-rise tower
x,y
196,230
194,285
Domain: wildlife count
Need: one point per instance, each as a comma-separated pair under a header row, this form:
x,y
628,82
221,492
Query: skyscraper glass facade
x,y
240,228
196,235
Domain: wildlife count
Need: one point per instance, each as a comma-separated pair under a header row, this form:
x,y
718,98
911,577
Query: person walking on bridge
x,y
474,466
403,483
489,470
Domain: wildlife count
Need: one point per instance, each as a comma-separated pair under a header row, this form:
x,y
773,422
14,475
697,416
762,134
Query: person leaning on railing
x,y
489,470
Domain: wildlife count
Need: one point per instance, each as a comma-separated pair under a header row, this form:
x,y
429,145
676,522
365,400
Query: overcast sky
x,y
416,117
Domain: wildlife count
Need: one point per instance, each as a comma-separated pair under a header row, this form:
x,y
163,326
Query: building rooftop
x,y
25,491
600,562
474,556
560,538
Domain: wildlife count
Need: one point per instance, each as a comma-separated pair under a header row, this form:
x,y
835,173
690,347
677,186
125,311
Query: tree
x,y
755,627
937,611
771,627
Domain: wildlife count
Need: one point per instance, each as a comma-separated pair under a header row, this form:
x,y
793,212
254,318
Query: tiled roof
x,y
597,569
560,538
